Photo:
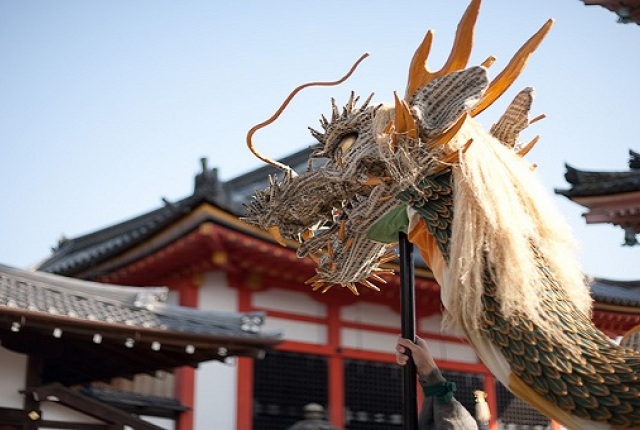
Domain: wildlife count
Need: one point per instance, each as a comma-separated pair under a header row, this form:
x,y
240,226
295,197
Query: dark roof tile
x,y
623,293
598,183
73,256
134,306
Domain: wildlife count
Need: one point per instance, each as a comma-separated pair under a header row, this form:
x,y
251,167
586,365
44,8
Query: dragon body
x,y
481,220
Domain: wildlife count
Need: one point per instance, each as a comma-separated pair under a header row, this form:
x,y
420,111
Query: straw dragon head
x,y
373,153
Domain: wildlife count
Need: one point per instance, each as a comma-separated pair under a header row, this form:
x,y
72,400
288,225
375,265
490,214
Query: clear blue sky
x,y
106,107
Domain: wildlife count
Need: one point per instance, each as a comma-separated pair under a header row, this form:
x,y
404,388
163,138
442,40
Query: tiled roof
x,y
75,254
74,324
257,178
72,256
597,183
622,293
115,304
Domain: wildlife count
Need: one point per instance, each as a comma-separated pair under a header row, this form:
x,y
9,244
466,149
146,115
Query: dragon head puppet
x,y
479,216
379,156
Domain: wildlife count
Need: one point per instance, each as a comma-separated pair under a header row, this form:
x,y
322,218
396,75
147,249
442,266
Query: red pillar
x,y
336,367
244,402
492,399
185,393
185,380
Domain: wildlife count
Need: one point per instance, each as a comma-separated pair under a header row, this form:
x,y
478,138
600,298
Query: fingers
x,y
421,342
418,352
406,343
401,352
403,349
406,347
401,357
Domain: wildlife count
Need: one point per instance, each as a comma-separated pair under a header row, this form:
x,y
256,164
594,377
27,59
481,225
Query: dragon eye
x,y
347,142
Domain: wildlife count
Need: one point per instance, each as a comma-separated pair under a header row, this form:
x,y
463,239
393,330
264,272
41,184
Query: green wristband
x,y
443,391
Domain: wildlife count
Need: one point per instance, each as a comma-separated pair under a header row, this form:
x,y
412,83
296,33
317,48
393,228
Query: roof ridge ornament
x,y
148,299
634,160
207,182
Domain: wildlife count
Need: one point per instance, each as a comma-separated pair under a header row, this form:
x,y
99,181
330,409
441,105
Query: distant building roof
x,y
598,183
75,324
611,197
628,11
623,293
73,256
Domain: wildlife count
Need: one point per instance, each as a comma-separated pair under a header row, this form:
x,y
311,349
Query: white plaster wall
x,y
452,351
368,340
216,294
13,371
289,301
370,313
216,383
299,331
216,394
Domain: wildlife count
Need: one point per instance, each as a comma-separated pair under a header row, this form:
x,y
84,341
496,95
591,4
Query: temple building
x,y
610,197
336,349
70,349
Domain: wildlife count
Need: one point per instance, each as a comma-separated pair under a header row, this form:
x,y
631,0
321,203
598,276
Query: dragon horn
x,y
503,81
404,120
419,75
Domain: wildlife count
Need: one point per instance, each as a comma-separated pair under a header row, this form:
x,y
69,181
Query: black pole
x,y
408,331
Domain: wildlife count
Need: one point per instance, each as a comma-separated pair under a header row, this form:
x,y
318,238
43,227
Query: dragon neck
x,y
499,211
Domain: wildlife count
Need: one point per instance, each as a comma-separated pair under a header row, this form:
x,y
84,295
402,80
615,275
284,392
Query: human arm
x,y
440,410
